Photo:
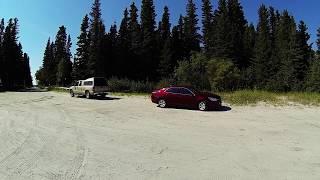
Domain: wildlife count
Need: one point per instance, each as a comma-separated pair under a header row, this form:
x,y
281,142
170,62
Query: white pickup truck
x,y
89,88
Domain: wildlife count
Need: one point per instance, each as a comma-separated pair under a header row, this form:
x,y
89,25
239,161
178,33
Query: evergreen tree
x,y
123,45
135,43
221,36
238,26
149,46
49,65
262,49
165,25
207,18
109,55
248,54
178,39
27,72
273,66
192,37
249,43
303,53
313,78
97,33
1,54
165,64
318,41
63,57
288,53
13,67
11,55
80,66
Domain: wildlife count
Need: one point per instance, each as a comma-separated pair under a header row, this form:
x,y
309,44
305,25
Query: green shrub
x,y
126,85
166,83
193,72
223,75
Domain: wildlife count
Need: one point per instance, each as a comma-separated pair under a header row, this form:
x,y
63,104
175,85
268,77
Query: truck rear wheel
x,y
88,95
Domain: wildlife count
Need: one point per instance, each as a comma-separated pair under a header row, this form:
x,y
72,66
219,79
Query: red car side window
x,y
173,90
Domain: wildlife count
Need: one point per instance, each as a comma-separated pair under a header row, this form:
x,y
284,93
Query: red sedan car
x,y
186,98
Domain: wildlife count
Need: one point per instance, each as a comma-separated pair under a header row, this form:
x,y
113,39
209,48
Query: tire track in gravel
x,y
80,159
16,163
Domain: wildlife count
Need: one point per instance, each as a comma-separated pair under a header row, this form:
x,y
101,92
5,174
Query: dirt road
x,y
53,136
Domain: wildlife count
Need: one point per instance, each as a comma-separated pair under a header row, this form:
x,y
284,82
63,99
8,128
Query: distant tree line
x,y
229,54
14,63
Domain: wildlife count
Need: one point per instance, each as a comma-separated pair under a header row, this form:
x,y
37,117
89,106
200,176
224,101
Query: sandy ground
x,y
53,136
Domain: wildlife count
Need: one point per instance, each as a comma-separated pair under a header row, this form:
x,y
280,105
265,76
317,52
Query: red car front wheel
x,y
202,106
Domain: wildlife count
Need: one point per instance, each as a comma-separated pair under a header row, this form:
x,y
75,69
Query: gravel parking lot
x,y
46,135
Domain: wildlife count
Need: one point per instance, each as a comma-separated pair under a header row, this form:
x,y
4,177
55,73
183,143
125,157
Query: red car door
x,y
186,98
173,97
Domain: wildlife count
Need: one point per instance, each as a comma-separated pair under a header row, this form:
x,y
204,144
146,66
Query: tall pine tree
x,y
207,18
313,78
149,45
123,45
221,36
135,43
192,37
238,26
80,66
97,33
166,65
262,49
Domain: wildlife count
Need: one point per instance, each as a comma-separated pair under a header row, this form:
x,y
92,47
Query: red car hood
x,y
206,94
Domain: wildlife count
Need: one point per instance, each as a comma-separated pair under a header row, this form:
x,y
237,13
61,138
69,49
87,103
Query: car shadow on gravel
x,y
37,90
221,109
99,98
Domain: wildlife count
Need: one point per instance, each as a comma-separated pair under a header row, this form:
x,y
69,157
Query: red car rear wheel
x,y
162,103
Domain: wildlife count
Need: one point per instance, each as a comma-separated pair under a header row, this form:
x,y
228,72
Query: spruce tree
x,y
165,64
288,53
63,57
262,49
123,45
221,36
97,33
109,46
313,77
192,37
238,26
1,54
27,72
80,66
249,43
149,45
135,43
178,45
301,64
165,25
11,55
273,64
207,23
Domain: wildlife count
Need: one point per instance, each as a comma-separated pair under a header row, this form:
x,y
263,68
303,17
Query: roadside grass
x,y
129,94
304,98
254,97
58,89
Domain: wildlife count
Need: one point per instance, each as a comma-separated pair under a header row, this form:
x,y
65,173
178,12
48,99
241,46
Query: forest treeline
x,y
229,53
14,63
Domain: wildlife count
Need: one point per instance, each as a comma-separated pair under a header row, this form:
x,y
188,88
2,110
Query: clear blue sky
x,y
40,19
